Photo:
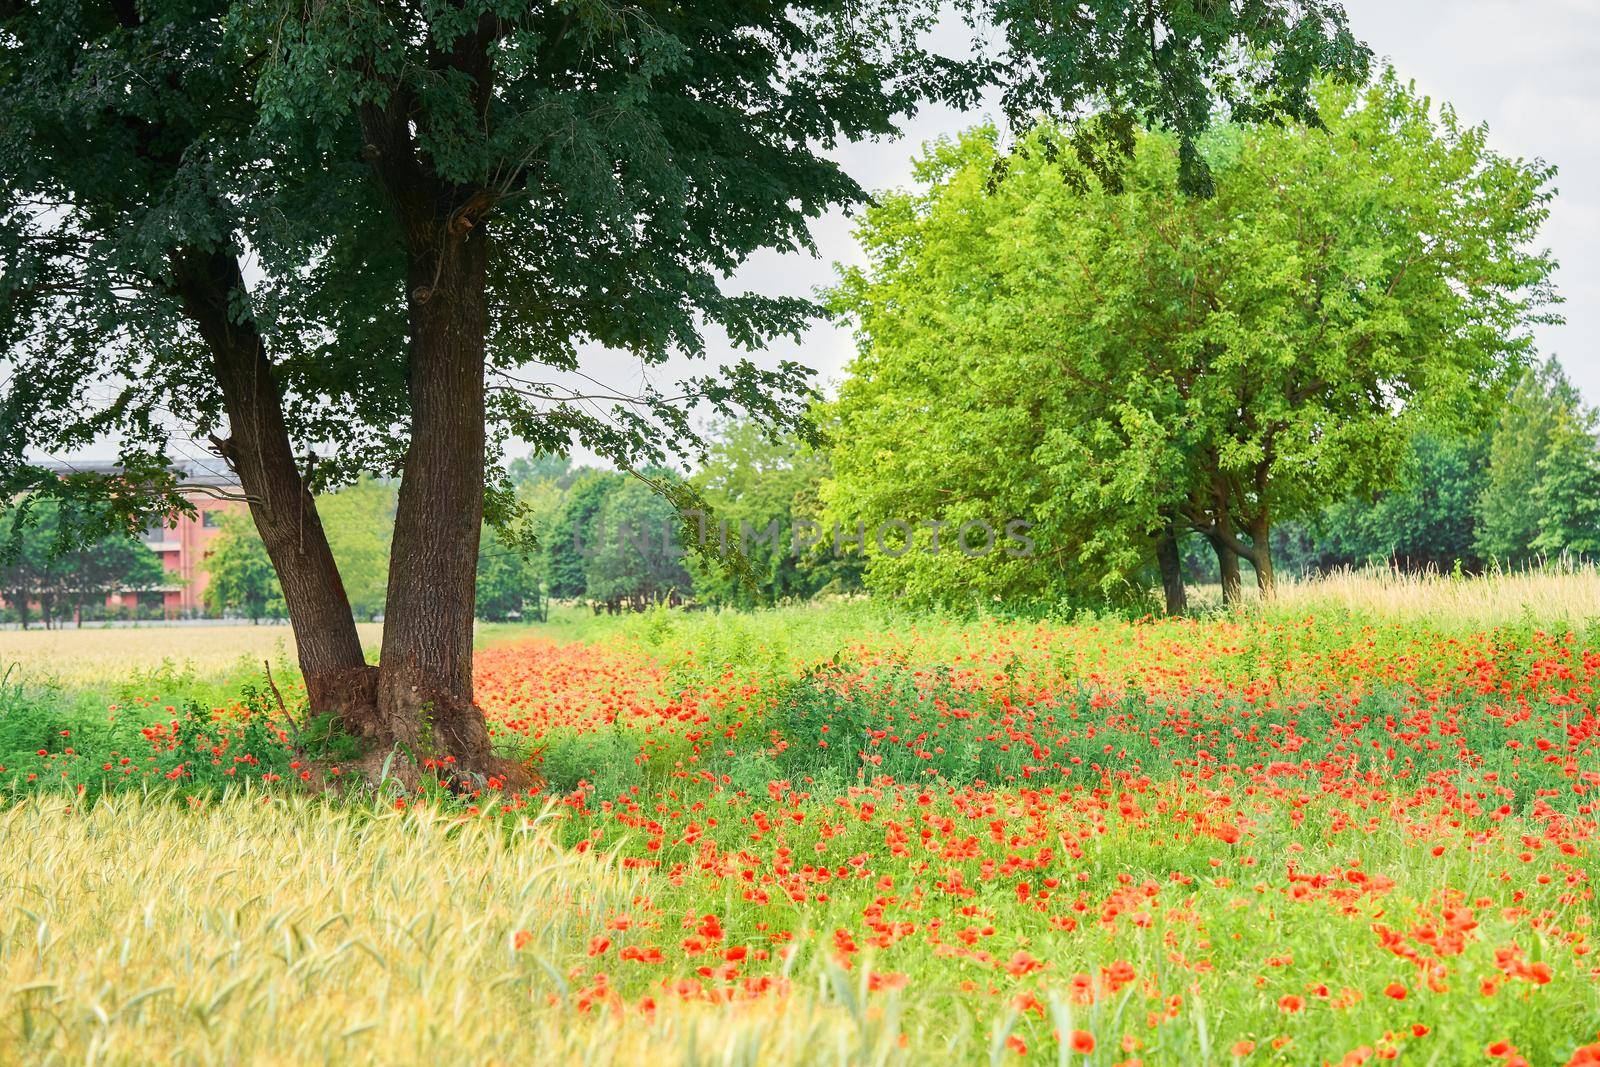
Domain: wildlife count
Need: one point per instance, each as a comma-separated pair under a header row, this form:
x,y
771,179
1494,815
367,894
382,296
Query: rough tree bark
x,y
1170,560
1261,556
424,684
1225,543
258,449
425,695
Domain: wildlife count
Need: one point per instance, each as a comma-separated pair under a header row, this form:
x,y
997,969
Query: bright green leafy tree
x,y
1119,363
242,580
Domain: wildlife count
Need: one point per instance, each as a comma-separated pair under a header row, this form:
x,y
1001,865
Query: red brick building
x,y
182,544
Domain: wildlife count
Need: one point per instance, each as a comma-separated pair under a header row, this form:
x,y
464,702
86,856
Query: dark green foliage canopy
x,y
624,159
1171,63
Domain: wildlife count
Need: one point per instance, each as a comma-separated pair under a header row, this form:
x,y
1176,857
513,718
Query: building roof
x,y
189,473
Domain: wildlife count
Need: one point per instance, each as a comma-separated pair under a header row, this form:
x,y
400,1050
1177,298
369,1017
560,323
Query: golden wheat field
x,y
247,931
91,655
1559,593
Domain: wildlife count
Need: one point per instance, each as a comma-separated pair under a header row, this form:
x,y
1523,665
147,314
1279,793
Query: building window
x,y
156,532
211,519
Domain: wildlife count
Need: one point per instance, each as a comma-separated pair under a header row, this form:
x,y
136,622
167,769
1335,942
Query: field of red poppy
x,y
1186,842
1313,840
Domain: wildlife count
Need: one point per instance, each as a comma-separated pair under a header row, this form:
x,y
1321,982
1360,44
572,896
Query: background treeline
x,y
1142,372
1526,490
616,541
580,534
41,584
589,535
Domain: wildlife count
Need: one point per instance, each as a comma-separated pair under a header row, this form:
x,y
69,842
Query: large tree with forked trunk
x,y
376,237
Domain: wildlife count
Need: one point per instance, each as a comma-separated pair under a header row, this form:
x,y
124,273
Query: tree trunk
x,y
424,686
1227,561
337,676
1261,543
1170,560
425,698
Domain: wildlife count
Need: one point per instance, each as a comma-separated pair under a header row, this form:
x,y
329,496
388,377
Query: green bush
x,y
53,739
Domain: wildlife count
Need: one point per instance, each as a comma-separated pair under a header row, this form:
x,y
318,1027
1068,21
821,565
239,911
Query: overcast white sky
x,y
1529,69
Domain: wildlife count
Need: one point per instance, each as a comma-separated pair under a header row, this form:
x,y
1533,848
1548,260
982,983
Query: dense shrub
x,y
53,739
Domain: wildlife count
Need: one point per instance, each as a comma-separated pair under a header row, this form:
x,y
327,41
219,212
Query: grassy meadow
x,y
1357,825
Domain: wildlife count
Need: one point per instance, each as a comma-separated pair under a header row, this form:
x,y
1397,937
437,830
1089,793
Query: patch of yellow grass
x,y
140,931
1558,593
93,655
